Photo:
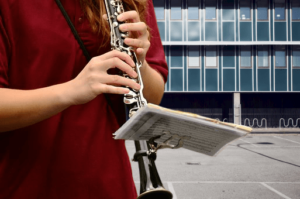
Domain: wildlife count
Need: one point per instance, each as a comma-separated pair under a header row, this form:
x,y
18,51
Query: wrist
x,y
144,67
63,94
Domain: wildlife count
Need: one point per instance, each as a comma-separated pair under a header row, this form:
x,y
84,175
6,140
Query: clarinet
x,y
150,183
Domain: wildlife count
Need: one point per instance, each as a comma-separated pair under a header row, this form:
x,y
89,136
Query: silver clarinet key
x,y
134,98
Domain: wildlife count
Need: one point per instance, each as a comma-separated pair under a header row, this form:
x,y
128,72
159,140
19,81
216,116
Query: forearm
x,y
20,108
153,84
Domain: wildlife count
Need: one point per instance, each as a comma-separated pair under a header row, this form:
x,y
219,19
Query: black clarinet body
x,y
150,183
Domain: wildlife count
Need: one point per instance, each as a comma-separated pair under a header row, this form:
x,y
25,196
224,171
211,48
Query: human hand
x,y
94,79
134,26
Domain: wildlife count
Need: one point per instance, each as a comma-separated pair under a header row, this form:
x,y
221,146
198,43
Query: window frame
x,y
295,48
187,8
268,12
292,11
217,58
163,8
188,60
285,55
251,17
215,11
171,49
251,58
181,11
263,67
285,13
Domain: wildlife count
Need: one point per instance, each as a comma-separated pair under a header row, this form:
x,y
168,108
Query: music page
x,y
199,134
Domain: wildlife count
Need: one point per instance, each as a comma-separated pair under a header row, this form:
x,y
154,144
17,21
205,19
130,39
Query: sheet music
x,y
201,136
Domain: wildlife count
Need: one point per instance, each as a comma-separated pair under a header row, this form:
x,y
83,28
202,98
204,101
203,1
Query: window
x,y
210,9
228,10
176,56
263,56
176,9
159,8
228,56
211,57
194,57
246,59
280,59
279,9
296,56
296,10
245,10
263,10
193,9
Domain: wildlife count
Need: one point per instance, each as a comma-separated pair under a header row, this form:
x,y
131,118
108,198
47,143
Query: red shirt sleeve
x,y
155,55
4,54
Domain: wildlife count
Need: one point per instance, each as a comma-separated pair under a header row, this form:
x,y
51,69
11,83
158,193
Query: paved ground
x,y
256,166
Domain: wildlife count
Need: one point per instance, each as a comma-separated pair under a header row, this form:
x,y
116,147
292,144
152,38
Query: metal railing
x,y
288,122
282,123
253,123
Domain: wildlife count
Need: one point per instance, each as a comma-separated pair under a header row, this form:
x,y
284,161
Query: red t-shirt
x,y
72,154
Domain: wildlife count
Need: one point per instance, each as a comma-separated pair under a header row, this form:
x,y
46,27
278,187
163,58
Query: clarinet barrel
x,y
150,183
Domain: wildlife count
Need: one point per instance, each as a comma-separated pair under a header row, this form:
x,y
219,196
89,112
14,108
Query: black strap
x,y
80,42
75,33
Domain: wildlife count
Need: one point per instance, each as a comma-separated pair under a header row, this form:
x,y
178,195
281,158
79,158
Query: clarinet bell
x,y
158,193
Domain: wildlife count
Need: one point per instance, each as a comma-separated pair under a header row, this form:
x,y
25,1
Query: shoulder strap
x,y
76,35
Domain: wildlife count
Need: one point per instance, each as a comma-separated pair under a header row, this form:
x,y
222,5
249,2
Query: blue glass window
x,y
193,9
176,9
263,10
246,56
296,10
210,9
245,10
262,13
263,56
161,28
194,57
245,13
228,10
159,8
210,13
296,57
296,13
211,31
228,56
211,56
193,31
280,60
176,31
279,9
176,56
176,79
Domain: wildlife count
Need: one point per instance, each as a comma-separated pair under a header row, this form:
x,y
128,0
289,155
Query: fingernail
x,y
128,40
123,27
126,90
134,74
138,87
132,63
120,18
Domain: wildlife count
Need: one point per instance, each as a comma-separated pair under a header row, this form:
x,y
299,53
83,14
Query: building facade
x,y
221,50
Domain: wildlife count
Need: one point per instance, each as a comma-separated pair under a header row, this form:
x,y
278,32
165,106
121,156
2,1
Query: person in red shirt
x,y
56,125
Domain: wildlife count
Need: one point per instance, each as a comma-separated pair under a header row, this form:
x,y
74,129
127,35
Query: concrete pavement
x,y
256,166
